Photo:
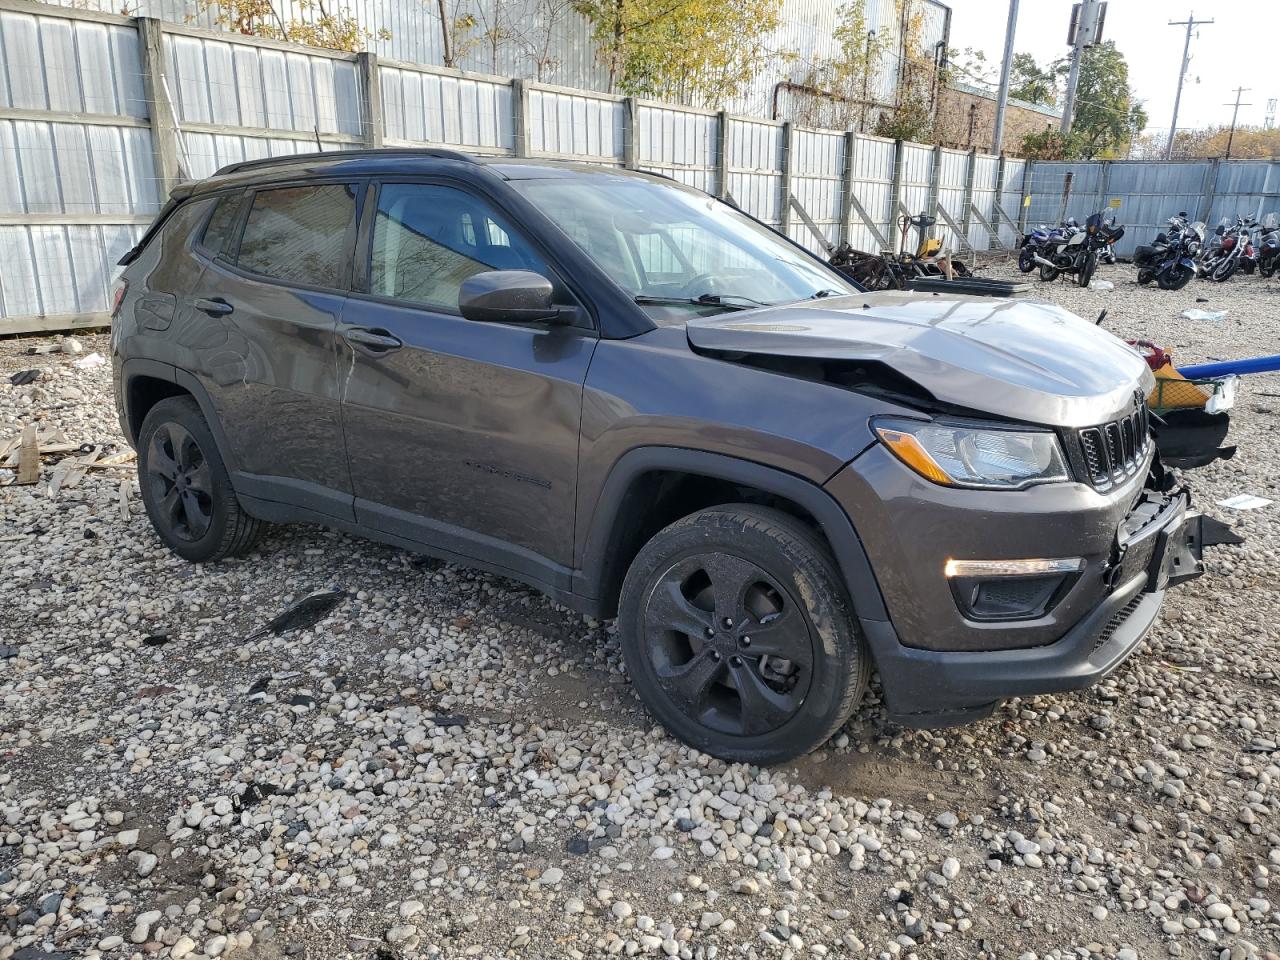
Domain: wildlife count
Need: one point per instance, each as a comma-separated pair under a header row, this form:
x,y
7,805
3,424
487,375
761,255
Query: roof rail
x,y
439,153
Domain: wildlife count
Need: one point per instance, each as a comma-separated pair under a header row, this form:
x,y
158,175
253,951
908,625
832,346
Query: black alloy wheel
x,y
739,636
728,644
186,487
181,482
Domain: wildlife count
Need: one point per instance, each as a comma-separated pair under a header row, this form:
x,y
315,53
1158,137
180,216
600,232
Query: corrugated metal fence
x,y
100,115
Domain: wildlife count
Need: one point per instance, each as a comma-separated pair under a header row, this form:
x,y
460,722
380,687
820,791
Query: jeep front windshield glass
x,y
676,250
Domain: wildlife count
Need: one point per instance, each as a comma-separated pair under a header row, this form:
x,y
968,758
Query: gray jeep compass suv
x,y
648,405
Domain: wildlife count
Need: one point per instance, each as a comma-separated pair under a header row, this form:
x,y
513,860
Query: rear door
x,y
276,292
460,434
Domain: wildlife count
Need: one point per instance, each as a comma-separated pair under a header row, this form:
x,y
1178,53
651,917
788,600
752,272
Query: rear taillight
x,y
117,298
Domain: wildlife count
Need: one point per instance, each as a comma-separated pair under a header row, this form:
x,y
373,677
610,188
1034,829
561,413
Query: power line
x,y
1190,23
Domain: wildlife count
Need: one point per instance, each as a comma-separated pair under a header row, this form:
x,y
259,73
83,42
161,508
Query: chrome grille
x,y
1115,451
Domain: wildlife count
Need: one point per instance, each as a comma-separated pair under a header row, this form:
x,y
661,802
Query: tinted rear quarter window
x,y
299,234
218,230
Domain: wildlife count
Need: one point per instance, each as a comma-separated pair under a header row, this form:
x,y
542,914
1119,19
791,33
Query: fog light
x,y
1011,568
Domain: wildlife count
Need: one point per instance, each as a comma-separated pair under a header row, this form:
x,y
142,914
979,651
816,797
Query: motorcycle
x,y
1110,235
1223,254
1170,260
1077,255
1269,246
1037,241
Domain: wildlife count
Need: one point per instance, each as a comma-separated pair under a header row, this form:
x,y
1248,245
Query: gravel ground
x,y
450,765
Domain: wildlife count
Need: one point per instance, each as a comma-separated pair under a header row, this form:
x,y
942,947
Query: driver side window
x,y
428,239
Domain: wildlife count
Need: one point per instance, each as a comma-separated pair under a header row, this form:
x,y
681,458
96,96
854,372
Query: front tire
x,y
186,488
1087,269
1175,278
1026,261
739,637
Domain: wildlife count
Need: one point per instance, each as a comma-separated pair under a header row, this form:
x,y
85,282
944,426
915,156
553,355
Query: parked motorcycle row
x,y
1069,249
1179,253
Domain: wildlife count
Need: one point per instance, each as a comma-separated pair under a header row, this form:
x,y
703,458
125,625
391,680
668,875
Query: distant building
x,y
966,118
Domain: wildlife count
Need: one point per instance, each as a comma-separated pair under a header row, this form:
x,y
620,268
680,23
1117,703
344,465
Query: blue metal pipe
x,y
1204,371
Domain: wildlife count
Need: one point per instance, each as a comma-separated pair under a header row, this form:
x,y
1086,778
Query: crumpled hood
x,y
1021,359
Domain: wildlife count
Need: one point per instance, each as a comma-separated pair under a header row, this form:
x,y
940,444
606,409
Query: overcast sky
x,y
1237,49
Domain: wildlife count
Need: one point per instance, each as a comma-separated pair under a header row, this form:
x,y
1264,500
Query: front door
x,y
460,434
273,372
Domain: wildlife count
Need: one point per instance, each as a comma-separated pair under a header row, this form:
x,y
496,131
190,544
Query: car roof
x,y
395,161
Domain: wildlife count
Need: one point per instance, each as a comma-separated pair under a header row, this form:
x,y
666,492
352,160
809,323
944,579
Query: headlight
x,y
961,455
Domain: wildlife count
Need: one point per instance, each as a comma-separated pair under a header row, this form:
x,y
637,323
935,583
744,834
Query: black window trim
x,y
364,252
230,263
233,233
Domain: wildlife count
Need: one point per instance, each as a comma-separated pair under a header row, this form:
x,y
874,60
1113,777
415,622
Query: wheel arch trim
x,y
136,367
841,535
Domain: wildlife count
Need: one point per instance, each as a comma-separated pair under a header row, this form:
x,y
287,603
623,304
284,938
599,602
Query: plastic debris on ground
x,y
1244,501
1196,314
89,362
1102,285
1224,398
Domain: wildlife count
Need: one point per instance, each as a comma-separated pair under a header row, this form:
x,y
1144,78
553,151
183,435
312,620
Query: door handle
x,y
215,308
373,340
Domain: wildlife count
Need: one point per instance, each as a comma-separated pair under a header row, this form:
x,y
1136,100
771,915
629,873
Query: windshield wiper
x,y
728,301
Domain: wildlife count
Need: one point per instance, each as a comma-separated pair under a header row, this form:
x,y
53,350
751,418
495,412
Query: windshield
x,y
662,242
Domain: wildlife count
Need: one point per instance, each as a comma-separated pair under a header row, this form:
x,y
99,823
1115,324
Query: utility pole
x,y
1005,69
1086,30
1235,111
1190,23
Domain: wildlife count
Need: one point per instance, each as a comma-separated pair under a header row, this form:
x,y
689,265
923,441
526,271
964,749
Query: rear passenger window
x,y
299,234
218,230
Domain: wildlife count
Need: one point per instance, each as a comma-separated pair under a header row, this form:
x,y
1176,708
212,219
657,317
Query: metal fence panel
x,y
572,123
755,167
422,106
873,160
817,164
1011,199
985,168
951,188
678,143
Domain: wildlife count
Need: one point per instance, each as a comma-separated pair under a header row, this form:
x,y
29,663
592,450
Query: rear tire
x,y
1047,273
739,636
186,488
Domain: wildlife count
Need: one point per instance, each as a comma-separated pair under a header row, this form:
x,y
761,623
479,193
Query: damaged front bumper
x,y
1158,545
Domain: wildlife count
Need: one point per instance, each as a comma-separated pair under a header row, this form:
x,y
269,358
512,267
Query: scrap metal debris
x,y
307,612
23,377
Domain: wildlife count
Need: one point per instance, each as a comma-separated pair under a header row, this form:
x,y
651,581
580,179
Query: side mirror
x,y
510,296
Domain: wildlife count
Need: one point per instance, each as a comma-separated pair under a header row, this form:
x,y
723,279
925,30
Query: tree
x,y
840,91
1032,83
1107,113
920,76
318,27
699,52
1249,143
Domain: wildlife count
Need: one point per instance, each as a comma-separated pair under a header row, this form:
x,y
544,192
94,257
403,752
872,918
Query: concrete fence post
x,y
935,184
895,195
165,149
520,117
846,186
370,98
1024,205
630,133
1002,174
784,214
970,174
722,154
